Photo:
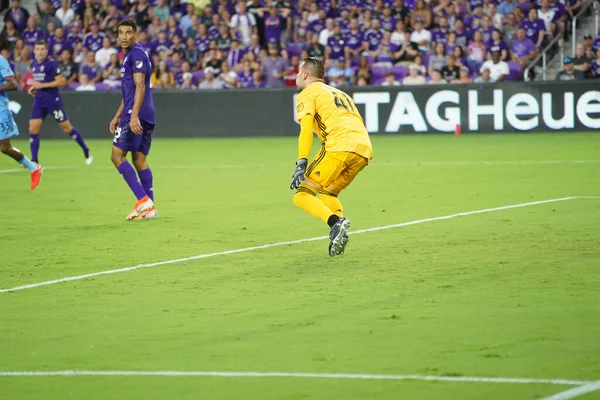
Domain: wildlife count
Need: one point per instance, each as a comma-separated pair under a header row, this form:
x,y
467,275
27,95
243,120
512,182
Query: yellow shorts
x,y
332,172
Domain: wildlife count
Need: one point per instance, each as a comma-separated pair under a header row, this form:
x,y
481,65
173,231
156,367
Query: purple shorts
x,y
126,140
57,110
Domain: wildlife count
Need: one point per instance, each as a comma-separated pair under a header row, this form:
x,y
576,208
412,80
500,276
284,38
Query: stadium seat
x,y
399,71
515,71
198,75
294,49
377,73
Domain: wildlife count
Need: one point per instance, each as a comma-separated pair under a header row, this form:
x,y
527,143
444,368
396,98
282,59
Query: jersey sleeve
x,y
55,67
305,105
5,70
139,62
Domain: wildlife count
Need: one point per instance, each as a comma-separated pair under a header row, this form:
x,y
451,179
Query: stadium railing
x,y
595,4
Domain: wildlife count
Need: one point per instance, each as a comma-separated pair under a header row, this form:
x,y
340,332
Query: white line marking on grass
x,y
267,246
300,375
10,171
575,392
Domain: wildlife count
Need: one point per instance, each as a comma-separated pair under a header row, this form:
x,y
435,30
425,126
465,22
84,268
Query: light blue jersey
x,y
8,127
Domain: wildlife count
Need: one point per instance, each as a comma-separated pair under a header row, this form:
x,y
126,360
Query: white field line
x,y
375,164
575,392
270,245
300,375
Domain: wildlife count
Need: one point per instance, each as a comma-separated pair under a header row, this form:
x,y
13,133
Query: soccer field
x,y
229,302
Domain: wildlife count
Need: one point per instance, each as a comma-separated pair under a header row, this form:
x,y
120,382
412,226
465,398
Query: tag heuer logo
x,y
138,64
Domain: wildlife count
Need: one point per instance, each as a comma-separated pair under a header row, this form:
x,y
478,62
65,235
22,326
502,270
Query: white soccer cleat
x,y
89,158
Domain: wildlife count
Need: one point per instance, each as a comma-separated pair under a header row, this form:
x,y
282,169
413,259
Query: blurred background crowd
x,y
255,44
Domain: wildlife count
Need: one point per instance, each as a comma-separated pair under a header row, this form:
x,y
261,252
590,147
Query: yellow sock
x,y
312,205
333,203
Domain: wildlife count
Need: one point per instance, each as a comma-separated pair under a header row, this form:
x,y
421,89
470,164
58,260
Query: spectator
x,y
496,18
187,20
421,14
229,80
398,34
161,11
111,73
315,49
235,54
26,82
486,29
354,41
31,34
188,81
177,46
485,76
68,68
506,7
316,26
176,65
511,27
477,50
388,23
334,51
364,70
498,69
9,34
400,12
301,29
173,28
390,80
581,61
462,37
560,14
569,73
535,28
65,13
274,67
90,68
419,63
93,40
18,15
438,59
274,21
162,76
407,52
18,50
185,68
463,76
45,15
572,7
547,15
440,35
257,81
361,82
523,49
588,44
105,53
436,78
451,45
292,71
414,76
450,71
595,69
497,44
327,32
246,75
373,36
22,66
519,16
85,85
340,74
58,43
142,13
421,36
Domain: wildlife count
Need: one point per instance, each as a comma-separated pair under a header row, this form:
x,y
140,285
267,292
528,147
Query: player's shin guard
x,y
333,203
34,145
128,173
146,179
307,201
76,136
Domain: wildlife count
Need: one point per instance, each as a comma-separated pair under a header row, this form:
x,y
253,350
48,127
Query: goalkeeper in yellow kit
x,y
346,150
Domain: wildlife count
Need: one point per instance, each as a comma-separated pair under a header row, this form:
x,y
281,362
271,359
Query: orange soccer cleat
x,y
148,214
141,206
36,176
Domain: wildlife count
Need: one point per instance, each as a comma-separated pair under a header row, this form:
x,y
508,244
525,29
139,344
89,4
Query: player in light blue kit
x,y
8,127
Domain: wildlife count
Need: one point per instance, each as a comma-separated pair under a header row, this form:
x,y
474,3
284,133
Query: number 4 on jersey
x,y
339,103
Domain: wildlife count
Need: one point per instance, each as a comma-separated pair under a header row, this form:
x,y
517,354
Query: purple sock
x,y
128,173
146,179
75,135
34,144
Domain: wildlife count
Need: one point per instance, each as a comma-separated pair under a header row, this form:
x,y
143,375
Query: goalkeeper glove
x,y
299,172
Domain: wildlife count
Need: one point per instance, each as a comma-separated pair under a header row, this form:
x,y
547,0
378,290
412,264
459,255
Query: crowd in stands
x,y
257,44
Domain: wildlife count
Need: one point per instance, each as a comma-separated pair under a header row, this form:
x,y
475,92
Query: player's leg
x,y
35,124
140,159
60,116
126,141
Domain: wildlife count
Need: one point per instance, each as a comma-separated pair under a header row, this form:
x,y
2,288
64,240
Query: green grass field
x,y
509,293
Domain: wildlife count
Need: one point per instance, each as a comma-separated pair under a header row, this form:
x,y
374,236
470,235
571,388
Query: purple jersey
x,y
45,72
354,40
234,57
316,26
136,60
178,48
31,36
500,46
273,27
118,4
213,32
174,31
439,36
486,34
532,29
345,27
559,11
245,79
158,46
91,71
19,18
596,68
336,46
596,44
373,37
202,43
77,4
179,11
387,53
523,48
462,39
93,43
55,46
74,38
254,85
388,24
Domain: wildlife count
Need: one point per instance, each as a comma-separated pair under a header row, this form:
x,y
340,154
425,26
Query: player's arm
x,y
304,145
59,82
115,121
138,98
10,85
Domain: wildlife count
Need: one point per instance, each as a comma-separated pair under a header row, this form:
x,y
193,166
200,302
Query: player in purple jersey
x,y
47,81
133,123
